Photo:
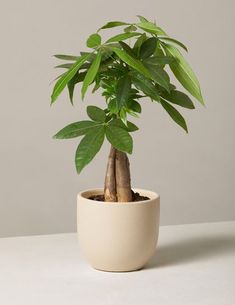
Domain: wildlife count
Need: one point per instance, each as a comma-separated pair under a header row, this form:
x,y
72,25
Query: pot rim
x,y
89,192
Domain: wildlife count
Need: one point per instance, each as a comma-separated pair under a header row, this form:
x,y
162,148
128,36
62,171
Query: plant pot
x,y
118,236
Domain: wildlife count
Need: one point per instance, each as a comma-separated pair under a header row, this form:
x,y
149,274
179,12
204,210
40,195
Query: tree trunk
x,y
117,180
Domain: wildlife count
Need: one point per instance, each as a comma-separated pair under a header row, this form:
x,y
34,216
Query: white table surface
x,y
194,264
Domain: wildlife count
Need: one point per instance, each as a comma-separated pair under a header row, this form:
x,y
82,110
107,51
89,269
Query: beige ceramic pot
x,y
118,236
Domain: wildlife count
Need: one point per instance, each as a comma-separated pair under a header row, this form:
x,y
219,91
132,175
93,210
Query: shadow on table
x,y
189,250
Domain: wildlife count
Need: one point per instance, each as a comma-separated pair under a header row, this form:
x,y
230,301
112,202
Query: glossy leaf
x,y
123,90
76,129
89,147
78,77
62,82
91,73
184,73
179,98
119,138
158,75
151,28
112,106
146,86
139,42
132,62
148,47
96,113
159,60
113,24
127,48
130,127
174,41
122,36
93,41
134,106
175,115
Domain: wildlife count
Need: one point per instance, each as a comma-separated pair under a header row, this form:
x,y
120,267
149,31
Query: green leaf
x,y
112,106
96,113
151,28
123,90
146,86
67,57
65,66
89,147
123,36
78,77
132,62
134,106
76,129
148,47
113,24
127,48
130,127
62,82
119,138
184,73
159,60
93,41
139,42
175,115
174,41
130,28
179,98
142,19
91,73
158,75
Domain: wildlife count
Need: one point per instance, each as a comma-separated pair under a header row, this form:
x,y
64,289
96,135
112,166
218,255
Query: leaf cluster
x,y
125,68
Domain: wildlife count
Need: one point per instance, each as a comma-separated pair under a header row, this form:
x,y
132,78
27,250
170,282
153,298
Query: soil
x,y
135,197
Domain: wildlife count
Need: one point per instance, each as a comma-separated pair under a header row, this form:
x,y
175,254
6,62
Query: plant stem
x,y
117,180
110,179
123,178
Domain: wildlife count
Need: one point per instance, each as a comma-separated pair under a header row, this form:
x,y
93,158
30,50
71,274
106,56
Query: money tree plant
x,y
125,69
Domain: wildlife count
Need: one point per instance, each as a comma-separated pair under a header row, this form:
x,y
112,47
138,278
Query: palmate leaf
x,y
123,90
89,147
127,48
91,73
132,62
96,114
184,73
62,82
76,129
174,114
119,138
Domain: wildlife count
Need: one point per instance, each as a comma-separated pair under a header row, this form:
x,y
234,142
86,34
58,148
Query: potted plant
x,y
118,226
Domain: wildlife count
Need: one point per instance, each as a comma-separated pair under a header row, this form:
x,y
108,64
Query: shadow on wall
x,y
190,250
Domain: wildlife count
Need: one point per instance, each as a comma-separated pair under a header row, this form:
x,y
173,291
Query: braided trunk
x,y
117,180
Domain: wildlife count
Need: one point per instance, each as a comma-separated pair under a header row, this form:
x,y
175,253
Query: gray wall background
x,y
195,173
